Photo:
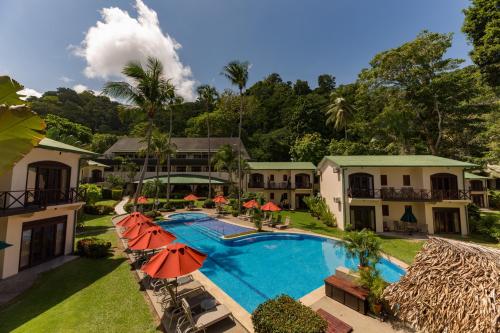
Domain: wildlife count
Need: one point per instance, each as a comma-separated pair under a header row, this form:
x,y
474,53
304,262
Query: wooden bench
x,y
347,293
335,325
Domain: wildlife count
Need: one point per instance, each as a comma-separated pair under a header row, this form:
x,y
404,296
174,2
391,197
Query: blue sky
x,y
41,40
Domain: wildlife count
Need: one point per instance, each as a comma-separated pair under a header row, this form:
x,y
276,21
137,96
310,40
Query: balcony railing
x,y
409,194
92,180
256,184
477,188
12,202
278,185
303,185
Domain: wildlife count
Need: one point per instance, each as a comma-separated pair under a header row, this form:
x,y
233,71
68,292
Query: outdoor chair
x,y
267,220
284,225
186,288
174,306
276,221
158,283
191,322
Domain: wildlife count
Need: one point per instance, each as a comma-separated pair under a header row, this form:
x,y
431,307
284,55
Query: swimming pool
x,y
257,267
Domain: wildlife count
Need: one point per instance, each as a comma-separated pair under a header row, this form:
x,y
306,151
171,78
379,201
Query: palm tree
x,y
364,245
339,113
237,73
172,101
207,95
149,91
226,160
160,149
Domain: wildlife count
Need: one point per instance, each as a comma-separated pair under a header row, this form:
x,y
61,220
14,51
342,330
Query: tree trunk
x,y
239,151
145,166
168,155
157,194
209,152
345,132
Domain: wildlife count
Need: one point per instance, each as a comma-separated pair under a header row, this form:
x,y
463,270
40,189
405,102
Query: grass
x,y
400,248
110,203
85,295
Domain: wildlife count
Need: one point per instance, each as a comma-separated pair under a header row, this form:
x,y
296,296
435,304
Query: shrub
x,y
98,209
489,225
234,212
364,245
93,193
152,213
318,208
285,315
116,194
371,279
116,181
106,194
93,247
473,211
149,189
208,203
494,199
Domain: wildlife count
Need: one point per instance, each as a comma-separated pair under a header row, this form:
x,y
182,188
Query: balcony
x,y
278,185
92,180
409,194
31,200
255,184
303,185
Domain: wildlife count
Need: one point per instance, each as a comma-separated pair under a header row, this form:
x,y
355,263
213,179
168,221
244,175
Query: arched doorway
x,y
302,180
96,176
361,185
444,186
256,180
49,182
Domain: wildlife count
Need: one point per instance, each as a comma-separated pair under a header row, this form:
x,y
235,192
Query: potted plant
x,y
364,245
376,291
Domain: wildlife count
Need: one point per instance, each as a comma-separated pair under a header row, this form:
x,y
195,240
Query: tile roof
x,y
47,143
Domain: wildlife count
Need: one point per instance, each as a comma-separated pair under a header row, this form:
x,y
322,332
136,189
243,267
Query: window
x,y
181,156
197,156
181,169
151,168
285,178
271,196
383,180
272,178
164,168
385,210
406,180
196,168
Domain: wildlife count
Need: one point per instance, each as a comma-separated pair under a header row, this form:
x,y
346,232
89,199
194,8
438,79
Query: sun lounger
x,y
284,225
181,290
268,220
191,322
335,325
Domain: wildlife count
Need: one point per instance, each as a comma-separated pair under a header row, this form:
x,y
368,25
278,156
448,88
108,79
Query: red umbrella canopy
x,y
142,200
270,206
137,229
153,238
132,219
176,260
251,204
191,197
220,199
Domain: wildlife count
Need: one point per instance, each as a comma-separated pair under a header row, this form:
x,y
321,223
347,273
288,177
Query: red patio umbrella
x,y
153,238
175,260
270,206
132,219
220,200
251,204
142,200
191,197
137,229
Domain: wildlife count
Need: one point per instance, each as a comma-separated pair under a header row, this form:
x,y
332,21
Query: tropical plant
x,y
93,193
150,91
318,208
237,73
160,149
364,245
207,95
371,279
20,128
226,160
339,113
115,181
174,100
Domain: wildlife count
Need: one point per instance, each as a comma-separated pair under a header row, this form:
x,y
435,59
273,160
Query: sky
x,y
82,44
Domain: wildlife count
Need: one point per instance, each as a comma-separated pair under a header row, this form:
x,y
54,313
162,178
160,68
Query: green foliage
x,y
64,130
318,208
208,203
482,27
116,194
93,193
309,148
474,212
152,213
257,218
102,141
364,245
99,209
149,188
93,248
494,199
115,181
370,278
488,225
283,314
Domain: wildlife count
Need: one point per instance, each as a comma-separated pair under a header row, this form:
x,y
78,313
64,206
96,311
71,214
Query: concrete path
x,y
119,208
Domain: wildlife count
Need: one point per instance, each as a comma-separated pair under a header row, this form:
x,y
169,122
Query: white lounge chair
x,y
189,323
284,225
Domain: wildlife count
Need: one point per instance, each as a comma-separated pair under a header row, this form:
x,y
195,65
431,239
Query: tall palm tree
x,y
226,160
172,101
237,73
149,91
207,95
339,113
160,149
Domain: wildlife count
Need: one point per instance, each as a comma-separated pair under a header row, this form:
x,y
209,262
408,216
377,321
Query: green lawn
x,y
85,295
400,248
110,203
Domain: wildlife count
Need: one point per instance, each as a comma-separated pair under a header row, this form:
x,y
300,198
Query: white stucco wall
x,y
331,189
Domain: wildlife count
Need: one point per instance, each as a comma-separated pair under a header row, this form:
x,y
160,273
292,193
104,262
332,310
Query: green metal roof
x,y
469,175
187,180
281,166
396,161
56,145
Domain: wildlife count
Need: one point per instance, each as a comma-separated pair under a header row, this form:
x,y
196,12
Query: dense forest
x,y
411,99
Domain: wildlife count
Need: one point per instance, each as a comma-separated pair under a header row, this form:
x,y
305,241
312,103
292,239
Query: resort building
x,y
478,187
393,193
284,183
188,166
38,204
92,172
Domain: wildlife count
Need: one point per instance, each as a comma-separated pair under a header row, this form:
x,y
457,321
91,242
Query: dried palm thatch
x,y
452,287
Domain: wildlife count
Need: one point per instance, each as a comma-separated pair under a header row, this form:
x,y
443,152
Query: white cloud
x,y
79,88
27,92
66,79
119,38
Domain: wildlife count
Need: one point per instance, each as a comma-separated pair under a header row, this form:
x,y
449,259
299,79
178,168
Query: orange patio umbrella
x,y
132,219
251,204
220,200
270,206
137,229
191,197
175,260
153,238
142,200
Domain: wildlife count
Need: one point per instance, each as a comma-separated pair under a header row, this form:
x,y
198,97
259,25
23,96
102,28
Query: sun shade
x,y
270,206
152,238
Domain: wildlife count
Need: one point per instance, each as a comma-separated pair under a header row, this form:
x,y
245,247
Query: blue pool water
x,y
261,266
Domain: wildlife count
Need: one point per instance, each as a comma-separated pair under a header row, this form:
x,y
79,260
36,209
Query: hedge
x,y
93,247
175,203
283,314
98,209
116,194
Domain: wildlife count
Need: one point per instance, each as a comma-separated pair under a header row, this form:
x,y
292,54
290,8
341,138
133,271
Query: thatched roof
x,y
452,287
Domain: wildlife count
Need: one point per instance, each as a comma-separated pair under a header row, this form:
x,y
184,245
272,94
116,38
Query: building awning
x,y
4,245
469,175
188,180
